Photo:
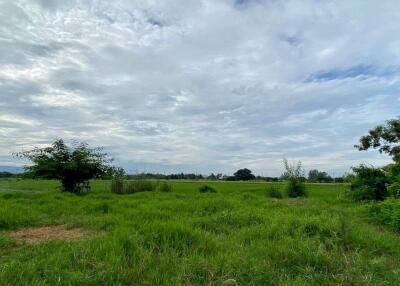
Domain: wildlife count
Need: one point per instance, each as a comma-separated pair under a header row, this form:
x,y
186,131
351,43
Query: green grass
x,y
189,238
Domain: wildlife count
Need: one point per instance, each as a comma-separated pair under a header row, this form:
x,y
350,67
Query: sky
x,y
200,85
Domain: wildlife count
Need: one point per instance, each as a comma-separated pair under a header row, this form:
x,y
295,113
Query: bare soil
x,y
35,235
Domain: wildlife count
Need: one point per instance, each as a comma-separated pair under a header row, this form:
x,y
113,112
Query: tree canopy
x,y
320,177
385,138
243,175
73,165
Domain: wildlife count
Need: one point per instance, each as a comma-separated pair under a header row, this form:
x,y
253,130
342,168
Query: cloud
x,y
200,86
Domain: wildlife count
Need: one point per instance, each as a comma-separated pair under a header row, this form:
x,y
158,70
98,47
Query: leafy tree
x,y
368,183
384,137
73,165
317,176
243,175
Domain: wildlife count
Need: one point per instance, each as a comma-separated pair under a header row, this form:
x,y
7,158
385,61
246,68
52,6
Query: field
x,y
236,236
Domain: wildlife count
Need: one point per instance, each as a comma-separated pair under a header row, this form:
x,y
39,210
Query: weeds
x,y
207,189
274,192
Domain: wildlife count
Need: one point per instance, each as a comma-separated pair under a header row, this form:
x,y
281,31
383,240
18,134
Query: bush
x,y
368,184
164,187
386,213
207,189
394,190
117,186
140,185
294,174
273,192
295,188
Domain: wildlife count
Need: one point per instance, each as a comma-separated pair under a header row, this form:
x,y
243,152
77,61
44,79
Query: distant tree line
x,y
245,174
157,176
7,175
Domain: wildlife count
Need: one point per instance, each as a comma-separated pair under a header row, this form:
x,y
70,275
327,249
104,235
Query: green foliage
x,y
165,187
294,175
386,138
117,186
296,188
394,190
386,213
368,184
243,175
316,176
184,238
207,189
274,192
140,185
74,166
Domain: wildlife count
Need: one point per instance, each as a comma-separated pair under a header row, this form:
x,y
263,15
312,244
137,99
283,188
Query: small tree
x,y
386,138
294,174
73,165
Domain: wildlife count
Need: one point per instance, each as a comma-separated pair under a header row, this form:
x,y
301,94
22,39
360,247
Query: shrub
x,y
164,187
294,175
393,176
386,213
295,188
273,192
394,190
207,189
140,185
117,186
369,183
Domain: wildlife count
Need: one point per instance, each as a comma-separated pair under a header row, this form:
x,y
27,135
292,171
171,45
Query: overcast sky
x,y
200,86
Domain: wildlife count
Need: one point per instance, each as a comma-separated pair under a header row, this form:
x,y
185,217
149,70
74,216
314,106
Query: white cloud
x,y
200,85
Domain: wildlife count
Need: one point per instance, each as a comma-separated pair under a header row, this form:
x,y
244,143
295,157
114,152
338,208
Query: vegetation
x,y
7,175
117,186
243,175
385,138
207,189
186,238
156,176
315,176
295,184
274,192
176,236
120,186
386,213
165,187
73,165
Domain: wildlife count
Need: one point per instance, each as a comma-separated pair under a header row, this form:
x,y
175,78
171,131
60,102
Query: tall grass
x,y
186,238
119,186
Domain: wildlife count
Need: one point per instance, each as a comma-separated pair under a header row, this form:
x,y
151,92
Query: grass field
x,y
236,236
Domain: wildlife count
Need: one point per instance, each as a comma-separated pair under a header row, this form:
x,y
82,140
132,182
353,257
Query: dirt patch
x,y
35,235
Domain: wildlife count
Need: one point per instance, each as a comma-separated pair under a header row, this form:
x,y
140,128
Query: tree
x,y
385,138
320,177
73,165
368,183
243,175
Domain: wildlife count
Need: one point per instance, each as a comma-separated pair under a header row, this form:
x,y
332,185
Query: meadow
x,y
236,236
